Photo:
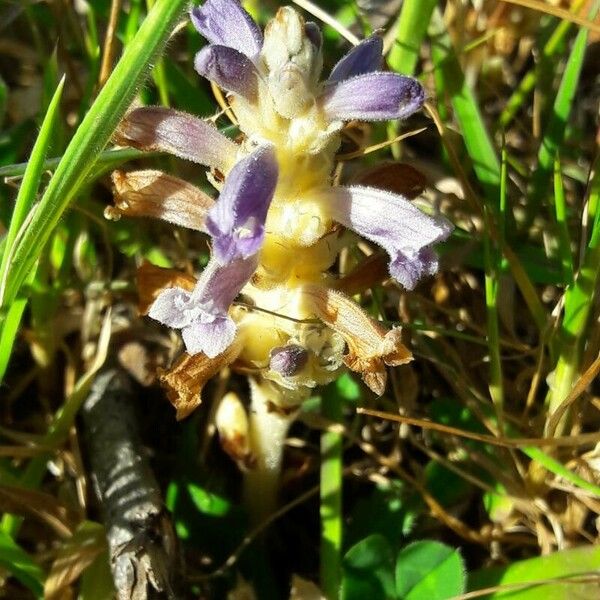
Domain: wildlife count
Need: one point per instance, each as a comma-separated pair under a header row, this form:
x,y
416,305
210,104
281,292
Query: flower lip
x,y
377,96
226,23
202,314
237,221
394,223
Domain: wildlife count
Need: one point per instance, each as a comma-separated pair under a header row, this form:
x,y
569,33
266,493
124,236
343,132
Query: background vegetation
x,y
477,472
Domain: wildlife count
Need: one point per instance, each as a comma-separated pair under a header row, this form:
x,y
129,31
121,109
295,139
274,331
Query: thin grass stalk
x,y
332,525
527,84
557,123
560,208
579,300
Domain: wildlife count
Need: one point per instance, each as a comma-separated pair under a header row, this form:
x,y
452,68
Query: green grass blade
x,y
31,179
106,161
579,300
561,110
412,26
92,135
331,497
560,207
560,470
16,561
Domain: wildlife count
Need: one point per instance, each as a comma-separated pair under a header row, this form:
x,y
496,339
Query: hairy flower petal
x,y
226,23
373,97
202,314
186,378
156,194
395,224
236,222
152,280
159,129
229,69
370,345
363,58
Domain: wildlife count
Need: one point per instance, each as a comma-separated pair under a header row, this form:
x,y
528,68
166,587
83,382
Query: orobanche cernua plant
x,y
276,227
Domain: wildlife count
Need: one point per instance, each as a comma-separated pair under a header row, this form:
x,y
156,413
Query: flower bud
x,y
288,360
294,63
231,421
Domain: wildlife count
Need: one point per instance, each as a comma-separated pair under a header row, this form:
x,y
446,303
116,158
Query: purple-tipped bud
x,y
364,58
374,97
288,360
229,69
226,23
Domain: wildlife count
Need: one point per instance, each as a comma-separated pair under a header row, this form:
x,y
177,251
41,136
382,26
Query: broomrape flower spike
x,y
275,226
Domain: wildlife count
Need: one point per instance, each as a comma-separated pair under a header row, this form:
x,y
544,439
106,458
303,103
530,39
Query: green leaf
x,y
92,135
368,570
386,510
207,502
429,570
347,387
24,205
17,562
543,575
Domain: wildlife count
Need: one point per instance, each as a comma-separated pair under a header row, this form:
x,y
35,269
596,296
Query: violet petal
x,y
395,224
172,308
212,338
237,221
226,23
229,69
374,97
363,58
202,313
156,128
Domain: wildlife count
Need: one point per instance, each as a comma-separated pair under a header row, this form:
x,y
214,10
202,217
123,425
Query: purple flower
x,y
395,224
374,97
226,23
237,57
237,226
156,128
202,313
237,221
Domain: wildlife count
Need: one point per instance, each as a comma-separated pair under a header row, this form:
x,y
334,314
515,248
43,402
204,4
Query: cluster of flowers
x,y
275,227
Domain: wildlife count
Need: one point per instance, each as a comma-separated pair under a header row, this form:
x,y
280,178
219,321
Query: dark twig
x,y
141,540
